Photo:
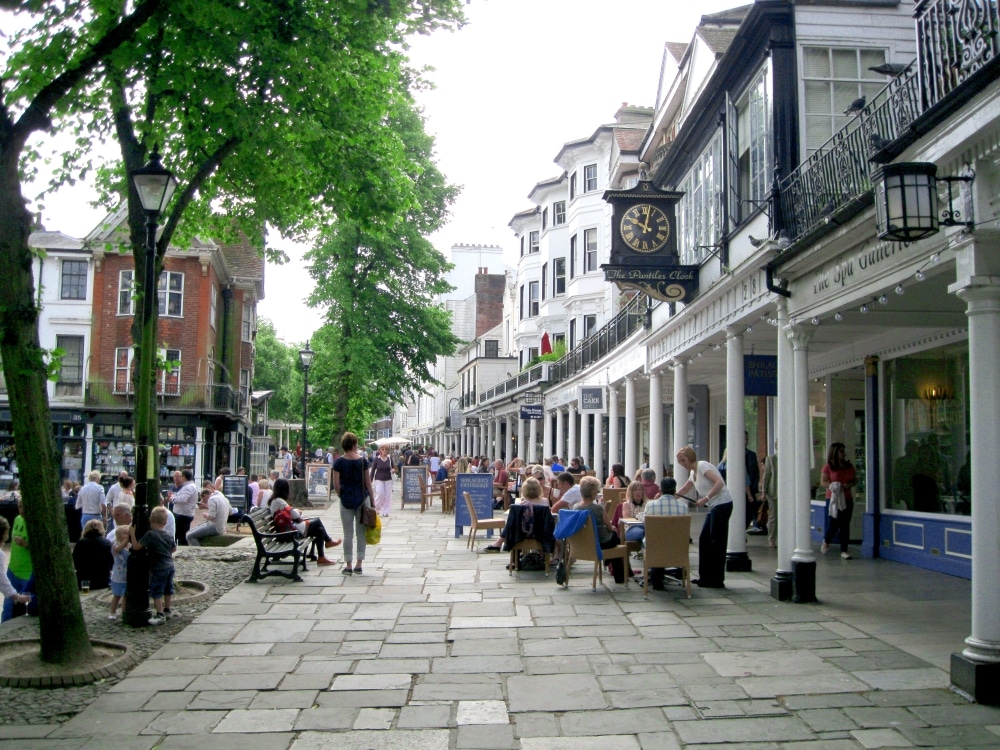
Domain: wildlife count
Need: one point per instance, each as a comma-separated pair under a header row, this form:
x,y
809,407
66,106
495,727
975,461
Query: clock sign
x,y
645,228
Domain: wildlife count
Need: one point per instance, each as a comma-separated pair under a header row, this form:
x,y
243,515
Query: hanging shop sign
x,y
532,411
591,399
760,375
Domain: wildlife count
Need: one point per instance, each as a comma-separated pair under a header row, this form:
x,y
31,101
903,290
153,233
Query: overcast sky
x,y
522,78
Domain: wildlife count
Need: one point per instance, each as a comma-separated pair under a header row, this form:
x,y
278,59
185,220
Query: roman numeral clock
x,y
644,244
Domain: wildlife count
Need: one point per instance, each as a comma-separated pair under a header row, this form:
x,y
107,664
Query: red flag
x,y
546,345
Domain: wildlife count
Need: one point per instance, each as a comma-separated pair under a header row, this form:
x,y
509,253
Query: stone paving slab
x,y
438,647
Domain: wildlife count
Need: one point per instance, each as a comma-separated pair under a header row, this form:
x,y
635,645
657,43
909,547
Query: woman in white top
x,y
710,490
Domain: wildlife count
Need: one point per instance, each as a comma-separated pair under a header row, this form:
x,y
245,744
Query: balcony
x,y
530,377
219,399
957,57
602,343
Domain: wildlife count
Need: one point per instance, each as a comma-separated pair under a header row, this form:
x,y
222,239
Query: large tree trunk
x,y
63,631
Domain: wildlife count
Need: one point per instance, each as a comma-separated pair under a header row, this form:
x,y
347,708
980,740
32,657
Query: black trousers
x,y
712,545
842,525
183,524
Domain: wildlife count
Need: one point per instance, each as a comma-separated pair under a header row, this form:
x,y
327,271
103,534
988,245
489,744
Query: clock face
x,y
645,228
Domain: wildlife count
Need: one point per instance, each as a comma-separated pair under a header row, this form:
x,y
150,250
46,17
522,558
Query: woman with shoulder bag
x,y
352,483
381,474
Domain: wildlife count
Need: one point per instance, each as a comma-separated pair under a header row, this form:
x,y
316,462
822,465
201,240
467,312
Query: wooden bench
x,y
275,548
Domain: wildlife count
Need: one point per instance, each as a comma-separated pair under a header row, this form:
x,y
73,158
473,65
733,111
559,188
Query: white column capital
x,y
612,392
799,336
734,332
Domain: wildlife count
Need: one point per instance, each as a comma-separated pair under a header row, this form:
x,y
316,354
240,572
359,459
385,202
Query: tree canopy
x,y
380,289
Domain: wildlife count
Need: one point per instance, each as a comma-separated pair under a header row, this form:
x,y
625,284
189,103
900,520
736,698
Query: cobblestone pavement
x,y
436,646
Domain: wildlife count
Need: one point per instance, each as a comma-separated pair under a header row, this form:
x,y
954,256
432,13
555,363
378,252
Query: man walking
x,y
185,500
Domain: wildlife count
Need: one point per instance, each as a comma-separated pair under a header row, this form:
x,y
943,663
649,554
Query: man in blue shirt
x,y
556,466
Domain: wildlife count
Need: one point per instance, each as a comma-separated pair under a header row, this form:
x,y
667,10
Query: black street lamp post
x,y
154,185
305,357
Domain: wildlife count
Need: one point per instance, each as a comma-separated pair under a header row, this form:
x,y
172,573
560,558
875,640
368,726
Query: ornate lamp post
x,y
154,185
305,357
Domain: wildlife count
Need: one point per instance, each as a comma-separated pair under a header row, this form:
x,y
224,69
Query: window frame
x,y
572,186
169,381
79,280
572,257
70,386
122,382
558,279
589,326
534,301
558,213
533,239
699,211
165,294
590,178
591,247
247,323
213,306
126,285
491,348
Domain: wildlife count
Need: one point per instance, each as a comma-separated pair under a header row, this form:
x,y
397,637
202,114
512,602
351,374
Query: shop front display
x,y
114,450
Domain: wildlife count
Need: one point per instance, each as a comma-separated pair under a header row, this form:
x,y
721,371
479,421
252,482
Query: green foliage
x,y
379,282
557,353
276,369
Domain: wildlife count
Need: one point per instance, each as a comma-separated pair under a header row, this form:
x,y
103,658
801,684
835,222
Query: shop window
x,y
927,423
73,284
70,379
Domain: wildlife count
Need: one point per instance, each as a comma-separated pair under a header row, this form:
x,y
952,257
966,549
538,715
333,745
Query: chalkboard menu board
x,y
414,477
234,487
480,489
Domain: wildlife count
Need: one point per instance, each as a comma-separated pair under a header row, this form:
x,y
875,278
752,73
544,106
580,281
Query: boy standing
x,y
161,563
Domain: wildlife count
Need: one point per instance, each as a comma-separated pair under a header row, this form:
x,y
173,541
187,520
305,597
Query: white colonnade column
x,y
803,558
656,424
977,669
521,452
680,418
547,435
631,428
736,469
613,439
584,449
571,446
559,435
508,446
532,452
781,584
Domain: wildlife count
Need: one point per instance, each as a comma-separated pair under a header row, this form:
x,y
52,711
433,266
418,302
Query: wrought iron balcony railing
x,y
208,398
956,40
536,374
607,339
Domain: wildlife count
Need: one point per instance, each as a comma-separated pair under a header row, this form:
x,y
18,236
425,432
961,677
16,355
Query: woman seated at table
x,y
618,480
531,494
631,507
537,473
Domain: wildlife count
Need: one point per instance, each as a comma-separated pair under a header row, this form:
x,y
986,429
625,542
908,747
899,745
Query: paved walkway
x,y
438,647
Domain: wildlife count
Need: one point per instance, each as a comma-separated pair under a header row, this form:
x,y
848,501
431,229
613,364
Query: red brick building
x,y
208,296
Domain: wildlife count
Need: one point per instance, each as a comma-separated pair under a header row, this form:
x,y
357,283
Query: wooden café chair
x,y
667,546
583,546
486,524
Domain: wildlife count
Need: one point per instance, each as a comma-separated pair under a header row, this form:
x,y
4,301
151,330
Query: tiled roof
x,y
629,139
728,16
676,50
244,261
718,40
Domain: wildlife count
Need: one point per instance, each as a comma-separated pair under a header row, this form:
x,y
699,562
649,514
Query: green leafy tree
x,y
269,112
379,284
276,369
41,74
